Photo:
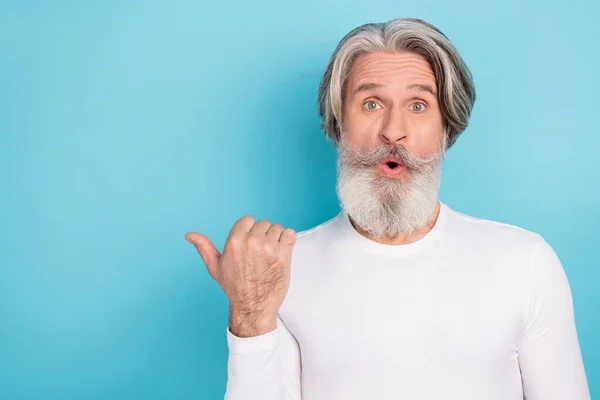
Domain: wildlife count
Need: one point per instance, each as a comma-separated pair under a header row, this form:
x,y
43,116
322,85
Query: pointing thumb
x,y
207,250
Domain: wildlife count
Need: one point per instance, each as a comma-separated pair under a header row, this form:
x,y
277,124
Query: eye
x,y
417,106
371,105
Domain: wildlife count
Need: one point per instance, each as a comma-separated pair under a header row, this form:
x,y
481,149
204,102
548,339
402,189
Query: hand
x,y
253,271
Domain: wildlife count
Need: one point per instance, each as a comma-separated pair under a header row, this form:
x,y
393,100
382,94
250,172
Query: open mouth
x,y
391,167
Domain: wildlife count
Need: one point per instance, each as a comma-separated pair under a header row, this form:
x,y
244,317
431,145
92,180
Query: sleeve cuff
x,y
256,344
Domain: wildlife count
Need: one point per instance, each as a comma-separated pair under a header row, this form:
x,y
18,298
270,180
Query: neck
x,y
403,239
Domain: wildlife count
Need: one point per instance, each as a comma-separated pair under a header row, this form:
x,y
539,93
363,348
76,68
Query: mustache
x,y
362,158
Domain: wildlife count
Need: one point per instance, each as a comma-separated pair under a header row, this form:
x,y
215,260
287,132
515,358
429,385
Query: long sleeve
x,y
265,367
549,353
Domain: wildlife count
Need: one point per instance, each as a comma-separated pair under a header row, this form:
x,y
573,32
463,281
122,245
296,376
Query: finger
x,y
207,250
288,237
260,228
242,225
274,232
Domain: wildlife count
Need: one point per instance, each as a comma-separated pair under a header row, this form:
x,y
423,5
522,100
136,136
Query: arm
x,y
254,273
265,367
549,353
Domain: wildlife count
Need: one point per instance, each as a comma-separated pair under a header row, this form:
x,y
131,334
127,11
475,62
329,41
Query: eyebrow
x,y
366,86
420,87
415,87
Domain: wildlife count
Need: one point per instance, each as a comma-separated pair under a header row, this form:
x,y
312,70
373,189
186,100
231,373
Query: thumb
x,y
207,250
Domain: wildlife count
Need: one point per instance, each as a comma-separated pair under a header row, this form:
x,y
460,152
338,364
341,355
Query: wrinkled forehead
x,y
392,70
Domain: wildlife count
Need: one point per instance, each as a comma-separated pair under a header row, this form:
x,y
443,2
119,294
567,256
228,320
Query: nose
x,y
394,127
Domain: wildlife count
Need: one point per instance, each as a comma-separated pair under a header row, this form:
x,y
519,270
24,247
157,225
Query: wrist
x,y
248,324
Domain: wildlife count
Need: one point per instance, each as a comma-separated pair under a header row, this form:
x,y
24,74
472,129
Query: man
x,y
398,296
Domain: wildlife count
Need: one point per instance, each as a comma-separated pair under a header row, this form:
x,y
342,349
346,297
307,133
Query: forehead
x,y
391,69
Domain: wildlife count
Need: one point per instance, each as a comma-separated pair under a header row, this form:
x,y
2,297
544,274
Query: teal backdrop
x,y
125,124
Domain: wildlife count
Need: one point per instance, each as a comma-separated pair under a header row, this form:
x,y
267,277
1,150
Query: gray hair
x,y
456,91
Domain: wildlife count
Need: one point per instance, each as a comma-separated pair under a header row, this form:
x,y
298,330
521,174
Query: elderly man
x,y
398,296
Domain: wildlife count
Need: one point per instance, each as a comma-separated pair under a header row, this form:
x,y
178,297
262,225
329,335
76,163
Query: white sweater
x,y
475,310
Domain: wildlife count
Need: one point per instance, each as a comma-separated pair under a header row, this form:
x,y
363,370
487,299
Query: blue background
x,y
125,124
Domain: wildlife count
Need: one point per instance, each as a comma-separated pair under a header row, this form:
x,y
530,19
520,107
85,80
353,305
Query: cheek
x,y
430,130
432,139
362,129
424,135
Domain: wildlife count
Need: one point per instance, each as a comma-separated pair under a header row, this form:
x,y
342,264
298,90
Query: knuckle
x,y
277,227
247,218
281,258
254,243
269,249
235,240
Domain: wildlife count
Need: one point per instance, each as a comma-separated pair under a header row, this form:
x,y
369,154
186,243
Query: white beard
x,y
382,206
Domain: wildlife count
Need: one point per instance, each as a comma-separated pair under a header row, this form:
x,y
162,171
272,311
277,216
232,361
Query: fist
x,y
253,271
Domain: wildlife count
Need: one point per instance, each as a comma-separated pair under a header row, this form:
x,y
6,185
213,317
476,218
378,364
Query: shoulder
x,y
520,254
317,233
487,233
315,244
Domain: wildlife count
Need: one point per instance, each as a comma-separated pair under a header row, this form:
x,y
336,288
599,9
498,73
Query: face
x,y
392,99
392,143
